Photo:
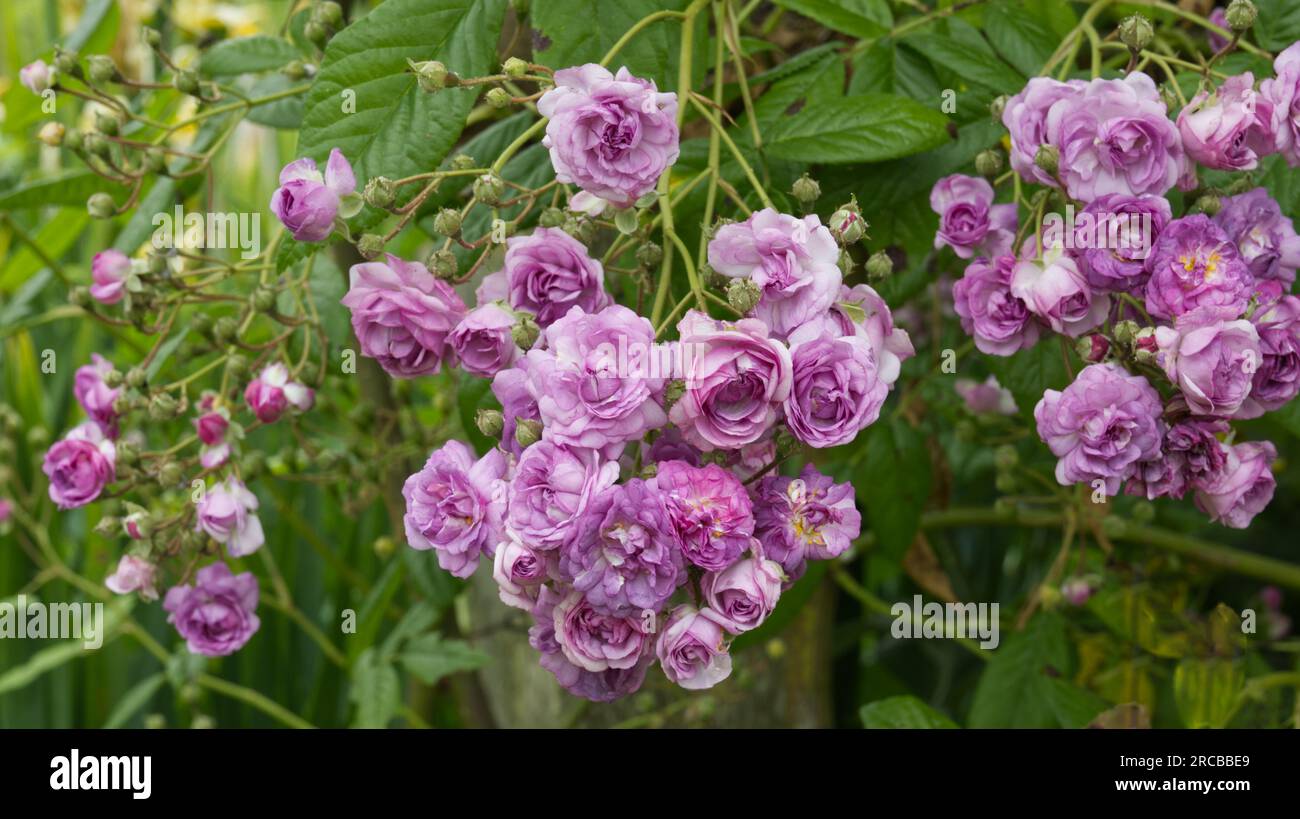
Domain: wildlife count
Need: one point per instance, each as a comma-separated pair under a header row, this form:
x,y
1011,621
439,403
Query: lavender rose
x,y
610,134
94,395
736,379
133,575
272,392
455,504
836,390
519,572
624,558
548,272
794,262
1101,426
1191,457
551,490
1056,291
402,315
1194,264
692,649
482,341
1212,359
511,388
999,321
597,686
1025,117
803,518
79,466
226,513
741,597
968,219
709,513
1115,136
590,391
1228,130
987,397
1277,378
1244,488
1283,93
108,272
306,202
860,311
217,615
1116,239
1265,239
594,641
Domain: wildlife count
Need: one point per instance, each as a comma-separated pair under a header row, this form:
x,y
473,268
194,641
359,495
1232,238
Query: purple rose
x,y
1220,18
1277,379
794,262
551,490
1056,291
1101,426
519,572
108,272
79,466
272,392
591,381
482,341
669,445
1211,358
836,391
217,615
1115,136
1191,457
1194,264
692,649
133,575
594,641
1115,234
624,558
1265,239
998,320
37,77
860,311
549,272
611,135
511,388
227,514
1244,488
1230,129
1283,93
709,513
741,597
454,505
402,315
736,379
987,397
597,686
968,219
307,203
805,518
1025,117
94,395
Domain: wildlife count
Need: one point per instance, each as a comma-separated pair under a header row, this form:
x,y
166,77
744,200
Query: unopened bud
x,y
879,265
447,222
1048,159
488,188
1076,591
380,192
162,407
151,36
551,218
514,68
525,331
225,329
65,62
847,225
95,144
100,206
527,431
186,82
498,98
101,69
1136,32
463,162
136,378
237,365
317,33
442,263
384,546
170,474
1005,457
1209,204
1144,345
107,526
1092,348
998,106
743,294
490,422
263,299
430,74
1125,331
74,140
673,391
370,245
329,13
295,70
51,134
988,163
1241,15
806,189
649,254
155,160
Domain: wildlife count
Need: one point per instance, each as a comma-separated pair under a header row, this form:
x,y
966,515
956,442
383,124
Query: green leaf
x,y
820,82
868,128
247,55
71,189
430,657
55,237
573,32
134,699
969,56
894,506
857,18
398,130
1278,25
1207,690
1029,373
887,67
376,691
1073,707
902,712
1020,36
285,113
1018,687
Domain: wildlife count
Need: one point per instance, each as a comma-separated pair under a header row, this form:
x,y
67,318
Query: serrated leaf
x,y
430,657
71,189
1278,25
376,691
1020,36
893,507
398,130
968,56
573,32
867,128
247,55
1017,687
902,712
285,113
820,82
857,18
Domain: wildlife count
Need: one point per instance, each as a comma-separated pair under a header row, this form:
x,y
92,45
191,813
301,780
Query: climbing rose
x,y
306,203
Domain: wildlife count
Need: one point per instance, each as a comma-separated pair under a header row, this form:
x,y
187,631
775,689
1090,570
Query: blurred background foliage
x,y
1158,642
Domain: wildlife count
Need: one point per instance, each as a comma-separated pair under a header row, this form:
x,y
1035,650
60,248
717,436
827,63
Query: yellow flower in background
x,y
203,16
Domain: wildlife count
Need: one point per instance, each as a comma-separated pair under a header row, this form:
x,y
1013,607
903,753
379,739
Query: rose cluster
x,y
1185,323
